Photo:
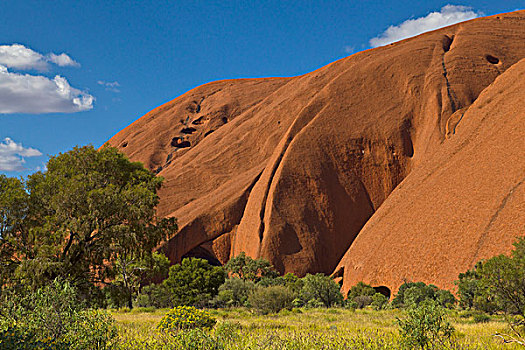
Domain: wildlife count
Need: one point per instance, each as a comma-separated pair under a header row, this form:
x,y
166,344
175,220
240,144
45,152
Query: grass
x,y
299,329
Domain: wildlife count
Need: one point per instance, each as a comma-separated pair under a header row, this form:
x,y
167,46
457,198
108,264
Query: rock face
x,y
402,162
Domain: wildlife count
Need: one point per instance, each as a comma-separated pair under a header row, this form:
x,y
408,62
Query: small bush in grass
x,y
185,317
425,325
379,301
481,318
362,301
322,288
271,299
14,338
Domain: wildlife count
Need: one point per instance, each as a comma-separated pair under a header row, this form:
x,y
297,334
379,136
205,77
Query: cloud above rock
x,y
12,155
448,15
33,93
18,56
37,94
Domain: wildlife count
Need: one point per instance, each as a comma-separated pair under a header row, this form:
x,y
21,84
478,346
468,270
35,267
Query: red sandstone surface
x,y
405,162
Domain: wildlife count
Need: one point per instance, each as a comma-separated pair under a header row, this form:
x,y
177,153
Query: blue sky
x,y
117,60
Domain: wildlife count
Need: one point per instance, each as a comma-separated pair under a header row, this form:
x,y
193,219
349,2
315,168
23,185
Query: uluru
x,y
401,163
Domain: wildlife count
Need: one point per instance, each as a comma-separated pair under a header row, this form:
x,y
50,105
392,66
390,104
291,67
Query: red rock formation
x,y
390,145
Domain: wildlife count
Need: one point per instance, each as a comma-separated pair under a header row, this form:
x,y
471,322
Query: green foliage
x,y
88,210
54,314
361,295
271,299
235,292
13,209
246,268
15,338
379,301
414,293
480,317
359,289
131,275
502,280
362,301
425,325
185,317
193,280
322,288
156,295
468,287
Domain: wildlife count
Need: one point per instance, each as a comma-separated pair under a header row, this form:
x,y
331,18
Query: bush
x,y
322,288
271,299
156,295
92,329
362,301
14,338
361,289
54,315
425,325
379,301
193,280
480,317
235,292
413,293
184,318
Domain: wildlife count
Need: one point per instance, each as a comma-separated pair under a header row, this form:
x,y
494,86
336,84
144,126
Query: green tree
x,y
322,288
246,268
194,280
88,210
13,210
468,287
503,278
131,275
414,293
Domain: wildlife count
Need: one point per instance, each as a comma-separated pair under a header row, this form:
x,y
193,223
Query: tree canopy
x,y
88,210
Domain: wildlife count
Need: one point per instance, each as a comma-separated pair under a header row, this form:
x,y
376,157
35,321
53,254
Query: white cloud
x,y
12,155
110,86
62,60
449,14
18,56
36,94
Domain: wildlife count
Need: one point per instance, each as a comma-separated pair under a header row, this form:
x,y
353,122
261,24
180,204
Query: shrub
x,y
14,338
156,295
414,293
54,315
361,289
480,317
445,298
425,325
235,292
92,329
193,280
321,287
362,301
271,299
185,317
379,301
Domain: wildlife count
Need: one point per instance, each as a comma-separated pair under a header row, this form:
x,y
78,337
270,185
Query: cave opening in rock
x,y
492,59
383,290
203,253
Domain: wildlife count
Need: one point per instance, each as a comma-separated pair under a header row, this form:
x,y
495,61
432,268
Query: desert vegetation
x,y
78,271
